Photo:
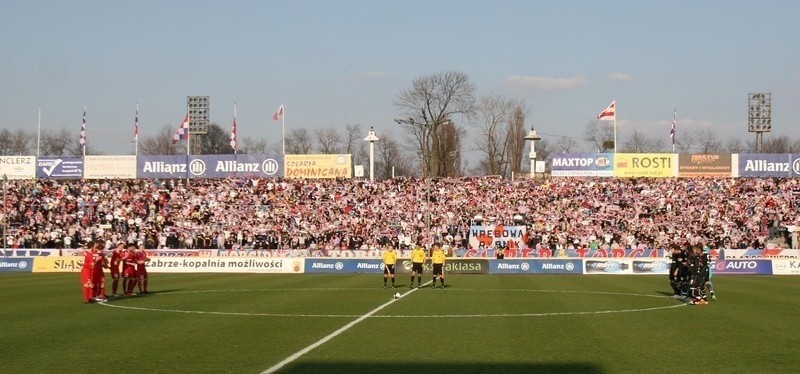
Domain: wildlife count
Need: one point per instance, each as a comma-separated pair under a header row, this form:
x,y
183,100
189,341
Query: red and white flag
x,y
136,127
233,135
672,132
182,133
610,113
83,129
278,114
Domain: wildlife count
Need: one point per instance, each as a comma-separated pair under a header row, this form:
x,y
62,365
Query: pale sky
x,y
337,62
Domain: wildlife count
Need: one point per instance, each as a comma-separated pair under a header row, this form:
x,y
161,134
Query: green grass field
x,y
248,323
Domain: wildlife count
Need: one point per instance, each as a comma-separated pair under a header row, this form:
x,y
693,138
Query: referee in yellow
x,y
437,257
417,259
389,259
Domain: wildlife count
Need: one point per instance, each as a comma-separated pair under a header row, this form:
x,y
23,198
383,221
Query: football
x,y
397,295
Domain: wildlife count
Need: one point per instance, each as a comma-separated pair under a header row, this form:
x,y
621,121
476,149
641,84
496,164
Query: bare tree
x,y
566,144
776,145
734,145
329,140
431,102
353,141
516,137
638,142
493,116
709,142
687,141
216,141
258,146
55,142
17,142
388,155
299,142
160,143
449,149
599,135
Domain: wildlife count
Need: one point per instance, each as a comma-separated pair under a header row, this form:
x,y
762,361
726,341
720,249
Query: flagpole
x,y
39,132
84,140
674,118
615,126
235,150
188,134
188,137
136,146
283,129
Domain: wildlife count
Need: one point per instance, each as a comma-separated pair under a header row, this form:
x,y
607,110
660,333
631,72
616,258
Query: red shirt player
x,y
116,259
141,269
86,273
129,270
98,277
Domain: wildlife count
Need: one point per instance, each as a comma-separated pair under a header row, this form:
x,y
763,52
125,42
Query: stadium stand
x,y
351,213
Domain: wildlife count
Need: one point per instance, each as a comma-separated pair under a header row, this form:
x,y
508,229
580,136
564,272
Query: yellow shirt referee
x,y
437,257
389,259
417,259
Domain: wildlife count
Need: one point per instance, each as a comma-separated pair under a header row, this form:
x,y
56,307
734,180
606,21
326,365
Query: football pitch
x,y
251,323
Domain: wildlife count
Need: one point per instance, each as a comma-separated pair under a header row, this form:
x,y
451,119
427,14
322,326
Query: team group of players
x,y
690,274
126,261
418,257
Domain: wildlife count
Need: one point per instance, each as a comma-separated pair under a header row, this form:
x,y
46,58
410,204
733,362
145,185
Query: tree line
x,y
435,115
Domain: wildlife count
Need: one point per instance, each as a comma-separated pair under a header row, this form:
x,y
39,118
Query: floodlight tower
x,y
759,118
199,108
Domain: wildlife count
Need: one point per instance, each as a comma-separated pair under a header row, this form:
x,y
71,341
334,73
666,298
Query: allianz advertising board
x,y
765,165
210,166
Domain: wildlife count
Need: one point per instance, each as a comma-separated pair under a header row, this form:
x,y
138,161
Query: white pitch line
x,y
332,335
113,305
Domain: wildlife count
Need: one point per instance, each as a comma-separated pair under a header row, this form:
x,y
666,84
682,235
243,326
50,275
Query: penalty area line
x,y
334,334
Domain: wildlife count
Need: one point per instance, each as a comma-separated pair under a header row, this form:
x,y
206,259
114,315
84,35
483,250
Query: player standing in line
x,y
389,259
113,264
86,273
674,271
129,270
98,276
699,271
437,258
709,285
685,270
417,260
141,269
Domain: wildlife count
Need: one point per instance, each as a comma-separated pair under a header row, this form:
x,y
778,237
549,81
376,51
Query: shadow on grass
x,y
165,291
137,296
671,295
439,368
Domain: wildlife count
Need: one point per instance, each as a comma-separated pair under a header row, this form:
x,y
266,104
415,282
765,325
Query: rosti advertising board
x,y
649,165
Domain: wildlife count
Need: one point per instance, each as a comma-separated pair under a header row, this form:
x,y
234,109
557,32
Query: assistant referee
x,y
389,260
437,258
417,259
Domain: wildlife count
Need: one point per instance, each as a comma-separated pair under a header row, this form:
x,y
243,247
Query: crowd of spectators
x,y
355,214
